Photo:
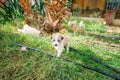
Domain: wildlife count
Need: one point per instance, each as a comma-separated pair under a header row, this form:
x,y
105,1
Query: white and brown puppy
x,y
60,41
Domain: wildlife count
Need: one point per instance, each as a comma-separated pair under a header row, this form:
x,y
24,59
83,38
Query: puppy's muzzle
x,y
56,45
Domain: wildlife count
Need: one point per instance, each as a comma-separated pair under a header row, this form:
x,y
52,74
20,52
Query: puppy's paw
x,y
58,56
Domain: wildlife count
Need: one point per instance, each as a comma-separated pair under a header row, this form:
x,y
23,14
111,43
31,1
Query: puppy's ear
x,y
51,37
62,37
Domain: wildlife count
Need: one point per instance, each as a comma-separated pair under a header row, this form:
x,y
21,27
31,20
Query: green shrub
x,y
10,10
39,6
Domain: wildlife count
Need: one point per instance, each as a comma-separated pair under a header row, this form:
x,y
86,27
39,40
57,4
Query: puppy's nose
x,y
55,44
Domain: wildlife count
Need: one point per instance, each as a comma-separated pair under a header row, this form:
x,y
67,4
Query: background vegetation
x,y
10,10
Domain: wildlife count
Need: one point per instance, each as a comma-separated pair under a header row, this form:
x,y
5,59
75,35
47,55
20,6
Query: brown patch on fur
x,y
60,38
77,28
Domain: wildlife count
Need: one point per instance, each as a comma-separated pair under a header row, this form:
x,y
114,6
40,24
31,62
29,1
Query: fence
x,y
113,5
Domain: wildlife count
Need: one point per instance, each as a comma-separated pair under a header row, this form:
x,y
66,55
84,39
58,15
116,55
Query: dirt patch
x,y
112,29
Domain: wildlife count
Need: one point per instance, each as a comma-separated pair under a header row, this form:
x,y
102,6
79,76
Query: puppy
x,y
77,28
60,41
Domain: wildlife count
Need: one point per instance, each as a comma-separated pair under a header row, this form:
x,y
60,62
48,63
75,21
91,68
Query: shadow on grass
x,y
7,38
89,58
106,38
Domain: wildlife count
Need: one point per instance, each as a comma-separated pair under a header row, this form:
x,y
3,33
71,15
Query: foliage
x,y
95,27
56,12
76,12
39,6
95,14
10,10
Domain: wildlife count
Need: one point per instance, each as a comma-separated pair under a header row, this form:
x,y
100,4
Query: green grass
x,y
16,64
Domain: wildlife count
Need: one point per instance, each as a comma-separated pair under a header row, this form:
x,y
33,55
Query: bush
x,y
39,6
10,10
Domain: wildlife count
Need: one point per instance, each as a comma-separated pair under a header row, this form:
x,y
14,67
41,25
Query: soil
x,y
113,29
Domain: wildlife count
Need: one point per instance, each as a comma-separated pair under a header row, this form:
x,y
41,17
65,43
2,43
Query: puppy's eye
x,y
53,40
58,40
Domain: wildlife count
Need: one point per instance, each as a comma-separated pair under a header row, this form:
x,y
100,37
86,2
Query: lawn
x,y
96,42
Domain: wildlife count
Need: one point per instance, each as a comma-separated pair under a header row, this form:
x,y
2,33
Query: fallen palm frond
x,y
55,13
28,12
33,19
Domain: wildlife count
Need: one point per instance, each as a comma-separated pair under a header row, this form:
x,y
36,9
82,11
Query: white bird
x,y
29,30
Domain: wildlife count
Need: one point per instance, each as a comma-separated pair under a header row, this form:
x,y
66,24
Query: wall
x,y
91,4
